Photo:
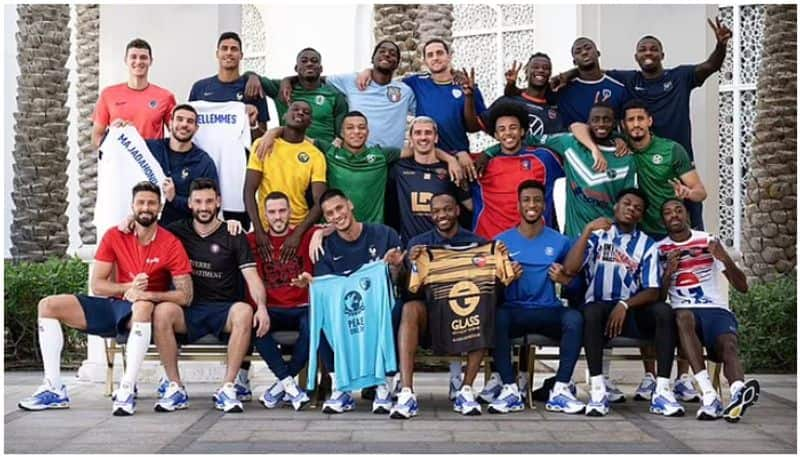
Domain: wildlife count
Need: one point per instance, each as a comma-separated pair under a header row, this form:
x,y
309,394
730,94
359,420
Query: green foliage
x,y
25,284
767,316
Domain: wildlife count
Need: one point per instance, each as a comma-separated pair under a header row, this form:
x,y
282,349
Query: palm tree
x,y
410,26
769,235
88,31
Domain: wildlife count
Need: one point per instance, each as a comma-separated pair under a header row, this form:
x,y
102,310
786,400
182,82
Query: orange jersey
x,y
149,109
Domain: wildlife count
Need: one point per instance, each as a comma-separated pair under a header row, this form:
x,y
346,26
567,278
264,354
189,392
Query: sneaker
x,y
522,385
509,400
46,397
597,406
299,400
339,402
646,388
614,394
226,401
124,402
270,400
406,406
664,403
242,388
382,404
163,384
397,386
684,389
455,385
741,400
564,401
491,389
174,397
465,402
710,412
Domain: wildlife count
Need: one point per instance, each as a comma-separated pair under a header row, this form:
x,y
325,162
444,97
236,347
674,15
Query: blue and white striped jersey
x,y
619,265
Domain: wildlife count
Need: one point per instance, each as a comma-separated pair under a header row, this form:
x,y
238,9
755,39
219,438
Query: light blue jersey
x,y
355,313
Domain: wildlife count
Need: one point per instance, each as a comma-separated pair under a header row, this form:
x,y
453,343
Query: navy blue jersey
x,y
576,99
344,257
543,117
211,89
433,238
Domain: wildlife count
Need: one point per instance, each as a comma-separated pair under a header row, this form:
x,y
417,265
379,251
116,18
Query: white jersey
x,y
124,162
696,282
224,133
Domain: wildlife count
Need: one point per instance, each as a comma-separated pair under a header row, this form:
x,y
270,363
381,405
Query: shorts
x,y
106,317
205,319
710,323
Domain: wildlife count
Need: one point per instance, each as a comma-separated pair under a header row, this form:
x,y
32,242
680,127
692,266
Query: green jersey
x,y
659,162
327,105
362,177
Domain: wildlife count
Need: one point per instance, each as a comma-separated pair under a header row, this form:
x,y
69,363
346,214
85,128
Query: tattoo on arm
x,y
183,284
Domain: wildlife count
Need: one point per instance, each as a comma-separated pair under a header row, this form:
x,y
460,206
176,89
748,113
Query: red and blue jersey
x,y
494,195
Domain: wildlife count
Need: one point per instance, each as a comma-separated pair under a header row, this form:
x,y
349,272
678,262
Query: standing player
x,y
149,260
693,262
137,101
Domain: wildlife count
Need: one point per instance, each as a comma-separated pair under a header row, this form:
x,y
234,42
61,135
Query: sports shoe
x,y
646,388
564,401
270,400
124,401
174,397
509,400
299,400
684,389
522,385
46,397
226,401
397,386
664,403
465,402
406,406
339,402
382,404
163,384
491,389
242,388
455,385
614,394
711,411
598,405
741,400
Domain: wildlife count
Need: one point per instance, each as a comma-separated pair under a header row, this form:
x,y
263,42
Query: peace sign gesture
x,y
468,86
721,31
513,73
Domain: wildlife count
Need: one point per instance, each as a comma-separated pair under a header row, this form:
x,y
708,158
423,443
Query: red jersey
x,y
148,109
277,276
162,259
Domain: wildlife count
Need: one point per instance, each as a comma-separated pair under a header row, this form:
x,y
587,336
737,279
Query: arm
x,y
574,261
251,182
670,267
714,62
560,80
453,167
690,187
314,213
582,134
182,295
98,131
102,285
736,277
470,99
259,294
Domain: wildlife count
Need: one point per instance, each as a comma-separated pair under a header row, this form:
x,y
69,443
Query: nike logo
x,y
639,88
337,258
514,253
206,94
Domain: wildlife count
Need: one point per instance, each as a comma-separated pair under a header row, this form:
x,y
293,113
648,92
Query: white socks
x,y
289,386
51,342
559,387
138,341
662,385
598,386
704,382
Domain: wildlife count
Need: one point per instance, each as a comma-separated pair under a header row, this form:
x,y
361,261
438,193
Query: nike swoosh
x,y
206,94
337,258
514,253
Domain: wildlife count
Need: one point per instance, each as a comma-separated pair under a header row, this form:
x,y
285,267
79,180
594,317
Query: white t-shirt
x,y
124,162
224,133
696,282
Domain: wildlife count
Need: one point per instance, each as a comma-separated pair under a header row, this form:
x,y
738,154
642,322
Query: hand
x,y
394,256
285,90
615,321
502,249
119,123
467,165
459,76
455,170
289,247
622,147
263,245
557,274
252,114
481,163
168,187
601,223
315,249
264,148
302,280
140,282
234,227
415,252
672,260
721,31
600,164
681,190
557,82
337,142
253,87
261,321
363,79
513,73
517,268
468,86
719,253
133,295
126,224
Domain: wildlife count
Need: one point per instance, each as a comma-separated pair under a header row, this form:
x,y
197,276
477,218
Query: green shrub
x,y
25,284
767,316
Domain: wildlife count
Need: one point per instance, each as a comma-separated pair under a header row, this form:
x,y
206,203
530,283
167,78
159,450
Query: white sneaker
x,y
646,388
226,401
664,403
522,385
382,404
612,391
491,389
406,406
562,400
124,401
598,404
465,402
508,401
455,385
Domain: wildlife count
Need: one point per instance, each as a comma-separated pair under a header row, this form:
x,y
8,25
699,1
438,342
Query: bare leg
x,y
728,351
414,318
239,323
473,366
64,308
167,321
690,344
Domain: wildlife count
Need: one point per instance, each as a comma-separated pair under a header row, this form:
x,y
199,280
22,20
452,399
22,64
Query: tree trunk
x,y
39,227
769,234
88,32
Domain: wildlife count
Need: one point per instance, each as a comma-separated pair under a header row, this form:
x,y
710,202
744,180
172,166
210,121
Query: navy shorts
x,y
106,317
710,323
205,319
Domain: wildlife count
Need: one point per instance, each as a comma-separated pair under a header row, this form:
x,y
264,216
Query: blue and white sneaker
x,y
382,404
646,388
455,385
564,401
522,385
339,402
598,404
741,400
491,389
397,386
406,406
163,384
664,403
297,401
465,402
46,397
270,400
124,401
710,411
508,401
614,394
684,389
175,397
226,401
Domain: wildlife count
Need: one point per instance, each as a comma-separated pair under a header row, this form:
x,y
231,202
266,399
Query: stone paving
x,y
89,427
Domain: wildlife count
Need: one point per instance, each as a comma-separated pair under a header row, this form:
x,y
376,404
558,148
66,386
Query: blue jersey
x,y
445,104
534,289
212,89
344,257
433,238
576,99
355,314
667,98
543,118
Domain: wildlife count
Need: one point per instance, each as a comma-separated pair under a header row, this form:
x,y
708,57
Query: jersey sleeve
x,y
101,114
194,91
391,154
558,142
105,251
171,104
340,82
325,264
340,108
263,111
566,245
412,103
624,76
480,105
254,163
650,269
680,160
179,261
589,252
686,74
271,87
319,167
244,255
419,271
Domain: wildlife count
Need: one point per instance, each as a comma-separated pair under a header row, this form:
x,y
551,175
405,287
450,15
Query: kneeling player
x,y
693,263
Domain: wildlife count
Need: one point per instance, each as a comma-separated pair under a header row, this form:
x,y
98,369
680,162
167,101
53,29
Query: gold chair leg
x,y
531,368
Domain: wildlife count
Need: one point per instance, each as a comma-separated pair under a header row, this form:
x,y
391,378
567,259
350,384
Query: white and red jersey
x,y
696,282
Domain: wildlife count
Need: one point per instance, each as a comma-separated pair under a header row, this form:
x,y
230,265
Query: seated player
x,y
693,261
149,260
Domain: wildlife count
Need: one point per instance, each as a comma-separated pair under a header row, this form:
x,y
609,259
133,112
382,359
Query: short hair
x,y
535,55
308,49
506,108
146,186
650,37
185,107
633,191
672,200
603,104
331,193
355,113
139,43
203,183
530,184
582,38
299,101
424,120
442,194
230,36
375,50
276,195
636,103
435,40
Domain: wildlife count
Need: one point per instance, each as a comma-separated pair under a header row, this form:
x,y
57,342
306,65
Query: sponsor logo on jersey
x,y
549,251
535,125
354,310
206,94
657,159
239,96
319,100
611,173
185,173
464,298
215,118
639,88
457,93
120,103
441,173
150,260
479,260
393,93
152,103
303,157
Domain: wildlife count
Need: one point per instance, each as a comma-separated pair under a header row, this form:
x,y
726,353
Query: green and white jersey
x,y
327,105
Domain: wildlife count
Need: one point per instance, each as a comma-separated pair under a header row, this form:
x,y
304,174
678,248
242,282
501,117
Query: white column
x,y
93,368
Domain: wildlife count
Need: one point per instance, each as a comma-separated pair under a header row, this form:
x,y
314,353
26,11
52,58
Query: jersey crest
x,y
393,93
303,157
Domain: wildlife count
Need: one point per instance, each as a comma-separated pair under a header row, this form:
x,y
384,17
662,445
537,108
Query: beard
x,y
279,227
145,218
204,217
